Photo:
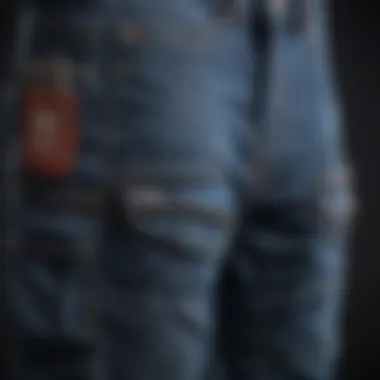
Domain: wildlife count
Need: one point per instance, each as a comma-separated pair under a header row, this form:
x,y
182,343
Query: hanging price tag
x,y
50,130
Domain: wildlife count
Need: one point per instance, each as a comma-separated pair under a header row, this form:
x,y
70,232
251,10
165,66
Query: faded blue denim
x,y
283,286
167,141
165,89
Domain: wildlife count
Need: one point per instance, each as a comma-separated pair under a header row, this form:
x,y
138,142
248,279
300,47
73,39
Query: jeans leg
x,y
174,203
284,283
282,297
167,83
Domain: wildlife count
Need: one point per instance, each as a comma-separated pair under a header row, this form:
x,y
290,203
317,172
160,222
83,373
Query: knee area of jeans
x,y
336,201
197,213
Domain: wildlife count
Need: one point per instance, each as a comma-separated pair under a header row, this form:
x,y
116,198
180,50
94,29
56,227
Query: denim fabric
x,y
283,285
145,222
164,88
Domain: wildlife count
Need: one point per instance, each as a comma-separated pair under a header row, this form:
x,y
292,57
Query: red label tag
x,y
50,135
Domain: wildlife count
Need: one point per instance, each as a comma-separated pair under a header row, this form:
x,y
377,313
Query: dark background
x,y
356,27
355,36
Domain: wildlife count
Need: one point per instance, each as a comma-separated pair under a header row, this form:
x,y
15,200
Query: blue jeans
x,y
166,90
283,285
